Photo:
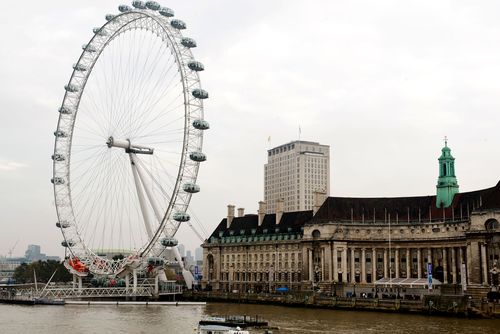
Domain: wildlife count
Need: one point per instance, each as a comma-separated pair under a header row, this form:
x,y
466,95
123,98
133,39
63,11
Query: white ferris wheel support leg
x,y
188,276
156,208
142,200
158,213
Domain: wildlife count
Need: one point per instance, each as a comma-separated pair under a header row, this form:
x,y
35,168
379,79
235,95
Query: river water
x,y
184,319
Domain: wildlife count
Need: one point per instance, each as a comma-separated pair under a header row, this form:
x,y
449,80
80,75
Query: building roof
x,y
401,209
291,222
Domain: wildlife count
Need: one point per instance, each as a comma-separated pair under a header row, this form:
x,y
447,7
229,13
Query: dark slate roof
x,y
415,208
291,222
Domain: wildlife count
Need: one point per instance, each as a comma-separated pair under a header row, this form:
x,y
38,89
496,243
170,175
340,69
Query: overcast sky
x,y
381,82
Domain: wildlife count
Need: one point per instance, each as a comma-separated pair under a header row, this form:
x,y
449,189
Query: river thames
x,y
184,319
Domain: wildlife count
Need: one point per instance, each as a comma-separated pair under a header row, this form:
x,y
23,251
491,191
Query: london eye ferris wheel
x,y
128,142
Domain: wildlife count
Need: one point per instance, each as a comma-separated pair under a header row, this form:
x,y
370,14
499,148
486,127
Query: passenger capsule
x,y
200,93
124,8
139,4
109,17
89,48
156,261
169,242
79,67
65,111
57,180
60,134
153,5
197,156
71,88
67,243
58,157
181,217
188,42
100,31
201,124
191,188
178,24
196,66
166,12
62,224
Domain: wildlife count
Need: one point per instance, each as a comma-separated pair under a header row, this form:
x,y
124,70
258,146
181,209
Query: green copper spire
x,y
447,185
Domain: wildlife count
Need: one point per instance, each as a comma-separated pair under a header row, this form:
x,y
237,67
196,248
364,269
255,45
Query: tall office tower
x,y
182,249
293,172
198,254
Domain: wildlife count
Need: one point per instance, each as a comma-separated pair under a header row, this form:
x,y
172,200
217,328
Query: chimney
x,y
279,209
319,197
230,215
262,211
241,212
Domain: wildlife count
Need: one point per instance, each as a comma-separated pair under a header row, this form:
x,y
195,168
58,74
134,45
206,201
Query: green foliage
x,y
44,270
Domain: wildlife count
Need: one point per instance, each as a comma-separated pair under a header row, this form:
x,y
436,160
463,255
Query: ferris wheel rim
x,y
193,81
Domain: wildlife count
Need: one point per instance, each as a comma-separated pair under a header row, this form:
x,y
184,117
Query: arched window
x,y
316,234
492,224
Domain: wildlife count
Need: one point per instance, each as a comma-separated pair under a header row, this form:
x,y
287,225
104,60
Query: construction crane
x,y
12,249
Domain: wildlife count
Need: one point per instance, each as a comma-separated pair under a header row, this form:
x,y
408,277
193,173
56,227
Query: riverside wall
x,y
459,305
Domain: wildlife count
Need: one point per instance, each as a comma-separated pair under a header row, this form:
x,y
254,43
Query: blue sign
x,y
196,270
429,275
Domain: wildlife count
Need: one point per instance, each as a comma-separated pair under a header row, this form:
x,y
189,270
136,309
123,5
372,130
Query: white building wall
x,y
293,172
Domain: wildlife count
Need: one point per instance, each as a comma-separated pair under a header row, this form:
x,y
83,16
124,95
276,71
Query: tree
x,y
25,273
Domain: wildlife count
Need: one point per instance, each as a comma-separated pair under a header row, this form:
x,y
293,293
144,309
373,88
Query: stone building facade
x,y
364,242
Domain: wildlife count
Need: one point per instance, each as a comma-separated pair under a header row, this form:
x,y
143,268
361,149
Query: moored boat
x,y
220,329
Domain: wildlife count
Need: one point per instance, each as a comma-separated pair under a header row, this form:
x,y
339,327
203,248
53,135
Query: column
x,y
386,275
445,266
396,261
374,265
344,265
310,264
363,266
484,264
408,262
127,279
335,264
468,257
80,283
353,274
419,263
460,261
329,261
322,270
453,266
